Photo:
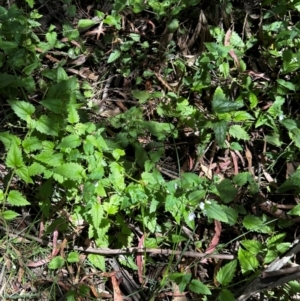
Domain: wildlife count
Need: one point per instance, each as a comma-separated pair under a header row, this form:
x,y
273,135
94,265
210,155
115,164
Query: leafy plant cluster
x,y
55,150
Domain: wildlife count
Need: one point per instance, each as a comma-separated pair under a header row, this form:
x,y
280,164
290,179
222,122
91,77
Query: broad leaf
x,y
221,104
98,261
198,287
14,157
72,171
226,295
22,109
247,261
9,215
220,129
71,141
56,263
114,56
47,126
238,132
15,198
214,210
226,273
227,191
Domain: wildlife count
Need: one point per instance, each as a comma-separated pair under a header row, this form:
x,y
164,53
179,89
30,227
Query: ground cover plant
x,y
149,150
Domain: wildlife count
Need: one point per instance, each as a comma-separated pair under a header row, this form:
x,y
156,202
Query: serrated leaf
x,y
242,116
214,210
141,96
226,273
31,144
98,261
7,139
198,287
35,169
293,182
227,191
23,173
247,261
241,178
73,116
275,240
50,158
254,223
159,129
221,104
71,141
22,109
54,105
97,214
14,157
72,171
253,100
270,256
253,246
51,38
231,214
226,295
180,279
9,214
238,132
114,56
47,126
220,129
56,263
73,257
15,198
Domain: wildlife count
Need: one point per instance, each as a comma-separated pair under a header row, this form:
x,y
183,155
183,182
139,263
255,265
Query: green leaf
x,y
98,261
241,116
159,129
71,141
214,210
295,210
56,263
31,144
14,157
23,173
97,214
22,109
247,261
220,129
173,25
226,273
7,139
226,295
198,287
54,105
253,100
50,158
9,214
52,38
254,223
47,126
241,178
30,3
231,214
73,257
118,153
114,56
291,183
72,171
238,132
180,279
288,85
73,116
15,198
86,23
221,104
253,246
141,96
227,191
273,241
